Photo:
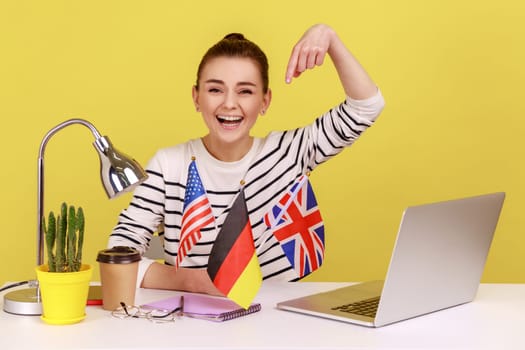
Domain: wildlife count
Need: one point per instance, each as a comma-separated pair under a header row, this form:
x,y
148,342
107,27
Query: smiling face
x,y
230,97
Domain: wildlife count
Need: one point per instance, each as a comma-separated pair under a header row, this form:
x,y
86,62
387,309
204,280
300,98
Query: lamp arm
x,y
40,184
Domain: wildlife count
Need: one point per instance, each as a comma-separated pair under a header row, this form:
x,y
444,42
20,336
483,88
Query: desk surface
x,y
494,320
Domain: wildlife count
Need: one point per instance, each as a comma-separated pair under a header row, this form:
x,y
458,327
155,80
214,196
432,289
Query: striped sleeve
x,y
340,127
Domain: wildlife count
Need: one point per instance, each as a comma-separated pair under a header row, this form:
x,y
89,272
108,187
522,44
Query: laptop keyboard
x,y
367,307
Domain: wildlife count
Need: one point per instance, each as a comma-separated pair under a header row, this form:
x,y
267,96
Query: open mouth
x,y
230,121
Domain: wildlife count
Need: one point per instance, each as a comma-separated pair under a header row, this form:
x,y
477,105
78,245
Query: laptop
x,y
437,263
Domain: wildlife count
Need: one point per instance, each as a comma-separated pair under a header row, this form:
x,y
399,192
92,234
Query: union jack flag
x,y
297,224
196,213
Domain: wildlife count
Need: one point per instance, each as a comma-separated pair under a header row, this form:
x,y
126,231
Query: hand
x,y
309,51
161,276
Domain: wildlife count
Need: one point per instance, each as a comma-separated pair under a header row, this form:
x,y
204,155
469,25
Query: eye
x,y
214,90
246,92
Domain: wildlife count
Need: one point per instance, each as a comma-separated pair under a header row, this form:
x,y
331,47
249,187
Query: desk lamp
x,y
119,173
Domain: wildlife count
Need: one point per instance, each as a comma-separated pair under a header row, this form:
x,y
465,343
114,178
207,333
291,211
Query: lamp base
x,y
23,302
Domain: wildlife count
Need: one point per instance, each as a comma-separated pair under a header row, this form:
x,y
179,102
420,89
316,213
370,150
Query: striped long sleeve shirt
x,y
268,170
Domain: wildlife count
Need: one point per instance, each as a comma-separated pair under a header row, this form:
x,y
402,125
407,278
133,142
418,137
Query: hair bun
x,y
235,36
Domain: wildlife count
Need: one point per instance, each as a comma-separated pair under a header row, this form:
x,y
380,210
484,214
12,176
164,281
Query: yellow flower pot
x,y
64,294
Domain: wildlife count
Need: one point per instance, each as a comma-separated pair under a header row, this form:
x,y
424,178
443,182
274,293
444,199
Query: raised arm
x,y
310,51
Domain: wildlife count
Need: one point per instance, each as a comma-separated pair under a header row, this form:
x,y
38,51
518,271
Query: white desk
x,y
495,320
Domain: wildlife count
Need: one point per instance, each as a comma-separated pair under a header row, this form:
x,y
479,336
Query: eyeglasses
x,y
153,315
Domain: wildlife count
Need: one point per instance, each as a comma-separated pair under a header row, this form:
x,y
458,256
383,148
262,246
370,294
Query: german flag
x,y
233,266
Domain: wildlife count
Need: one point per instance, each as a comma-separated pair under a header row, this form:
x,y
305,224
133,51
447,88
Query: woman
x,y
231,92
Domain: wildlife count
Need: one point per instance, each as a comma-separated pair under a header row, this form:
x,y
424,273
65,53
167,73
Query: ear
x,y
267,98
195,97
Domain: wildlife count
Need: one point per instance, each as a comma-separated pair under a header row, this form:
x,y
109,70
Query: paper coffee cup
x,y
118,275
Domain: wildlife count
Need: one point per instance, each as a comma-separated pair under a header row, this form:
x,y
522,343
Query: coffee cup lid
x,y
118,255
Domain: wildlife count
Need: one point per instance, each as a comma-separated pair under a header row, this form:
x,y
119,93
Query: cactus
x,y
80,242
50,233
61,239
64,239
71,237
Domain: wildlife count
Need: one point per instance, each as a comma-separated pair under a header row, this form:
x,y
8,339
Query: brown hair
x,y
236,45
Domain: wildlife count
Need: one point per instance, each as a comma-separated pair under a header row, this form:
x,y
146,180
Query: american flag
x,y
196,214
297,224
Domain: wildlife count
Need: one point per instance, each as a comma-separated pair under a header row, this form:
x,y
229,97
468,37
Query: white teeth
x,y
230,118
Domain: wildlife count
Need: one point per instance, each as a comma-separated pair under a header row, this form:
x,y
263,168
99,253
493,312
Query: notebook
x,y
437,263
205,307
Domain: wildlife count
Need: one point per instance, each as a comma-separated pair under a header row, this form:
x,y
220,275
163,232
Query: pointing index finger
x,y
292,65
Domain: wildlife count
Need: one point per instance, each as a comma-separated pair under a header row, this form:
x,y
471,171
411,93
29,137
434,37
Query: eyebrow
x,y
218,81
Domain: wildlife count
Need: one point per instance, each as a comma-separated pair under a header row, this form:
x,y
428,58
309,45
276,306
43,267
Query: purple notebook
x,y
204,307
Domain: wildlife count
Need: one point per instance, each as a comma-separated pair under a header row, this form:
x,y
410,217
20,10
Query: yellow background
x,y
452,73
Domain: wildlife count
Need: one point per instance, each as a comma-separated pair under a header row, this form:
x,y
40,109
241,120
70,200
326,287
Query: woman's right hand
x,y
161,276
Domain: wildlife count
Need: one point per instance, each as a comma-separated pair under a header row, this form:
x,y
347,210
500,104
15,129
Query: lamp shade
x,y
119,172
